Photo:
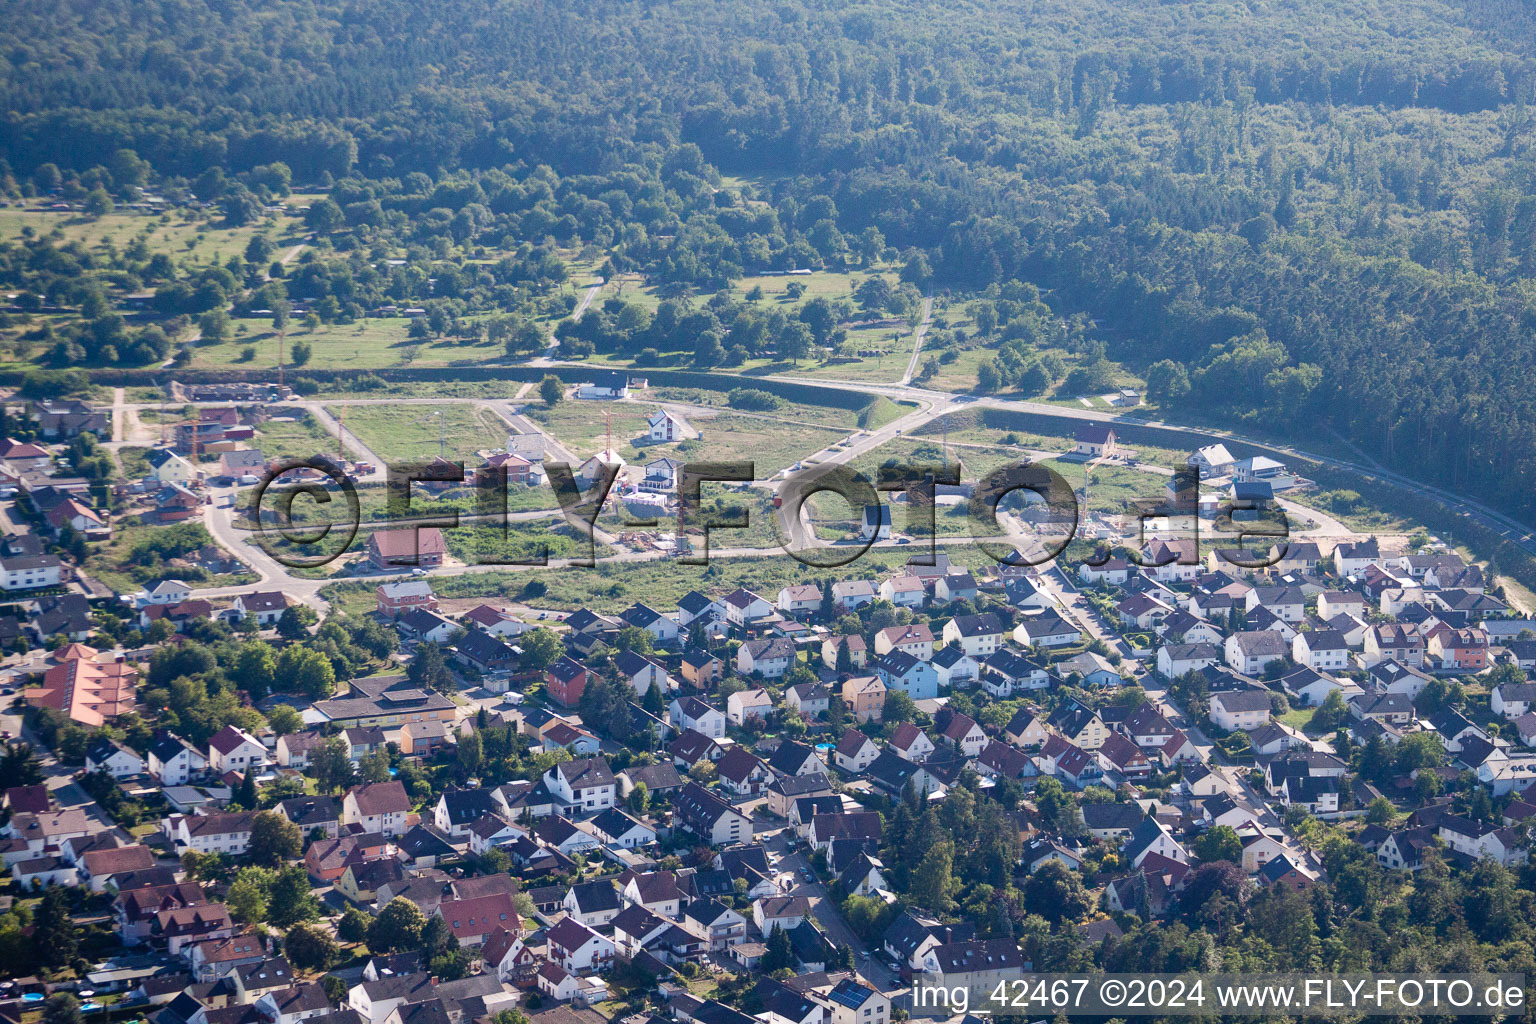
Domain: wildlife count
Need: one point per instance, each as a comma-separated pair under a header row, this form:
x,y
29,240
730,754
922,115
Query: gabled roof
x,y
586,773
380,798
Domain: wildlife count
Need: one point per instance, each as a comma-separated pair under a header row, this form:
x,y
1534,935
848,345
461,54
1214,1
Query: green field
x,y
293,439
370,344
422,432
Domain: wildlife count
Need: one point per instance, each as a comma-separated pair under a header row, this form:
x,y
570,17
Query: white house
x,y
585,785
663,426
1212,460
851,1002
173,762
977,635
229,834
698,715
851,595
377,807
745,704
767,658
1240,709
28,572
875,523
1047,630
110,756
267,606
743,607
234,750
800,599
854,752
605,384
914,639
1249,652
1324,650
903,591
579,949
166,467
164,592
1174,660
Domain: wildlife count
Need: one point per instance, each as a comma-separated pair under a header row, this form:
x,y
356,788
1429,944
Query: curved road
x,y
931,405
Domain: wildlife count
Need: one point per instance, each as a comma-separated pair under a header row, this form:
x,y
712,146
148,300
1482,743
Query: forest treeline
x,y
1322,216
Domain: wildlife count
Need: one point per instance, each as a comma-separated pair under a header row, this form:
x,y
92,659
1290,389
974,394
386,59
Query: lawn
x,y
454,430
1299,718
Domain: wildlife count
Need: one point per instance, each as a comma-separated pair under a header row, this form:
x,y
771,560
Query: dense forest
x,y
1305,215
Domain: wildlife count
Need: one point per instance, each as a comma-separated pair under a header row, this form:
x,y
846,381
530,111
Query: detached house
x,y
663,426
235,750
965,735
1402,644
422,547
1240,709
976,635
767,658
915,677
800,600
698,715
378,807
914,639
743,607
173,762
584,786
865,698
1250,652
854,752
851,595
566,680
745,704
1324,650
832,646
1175,660
1046,630
579,949
709,817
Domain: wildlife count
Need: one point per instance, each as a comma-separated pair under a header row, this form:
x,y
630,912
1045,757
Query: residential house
x,y
378,807
768,659
1240,709
864,697
751,703
1250,652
